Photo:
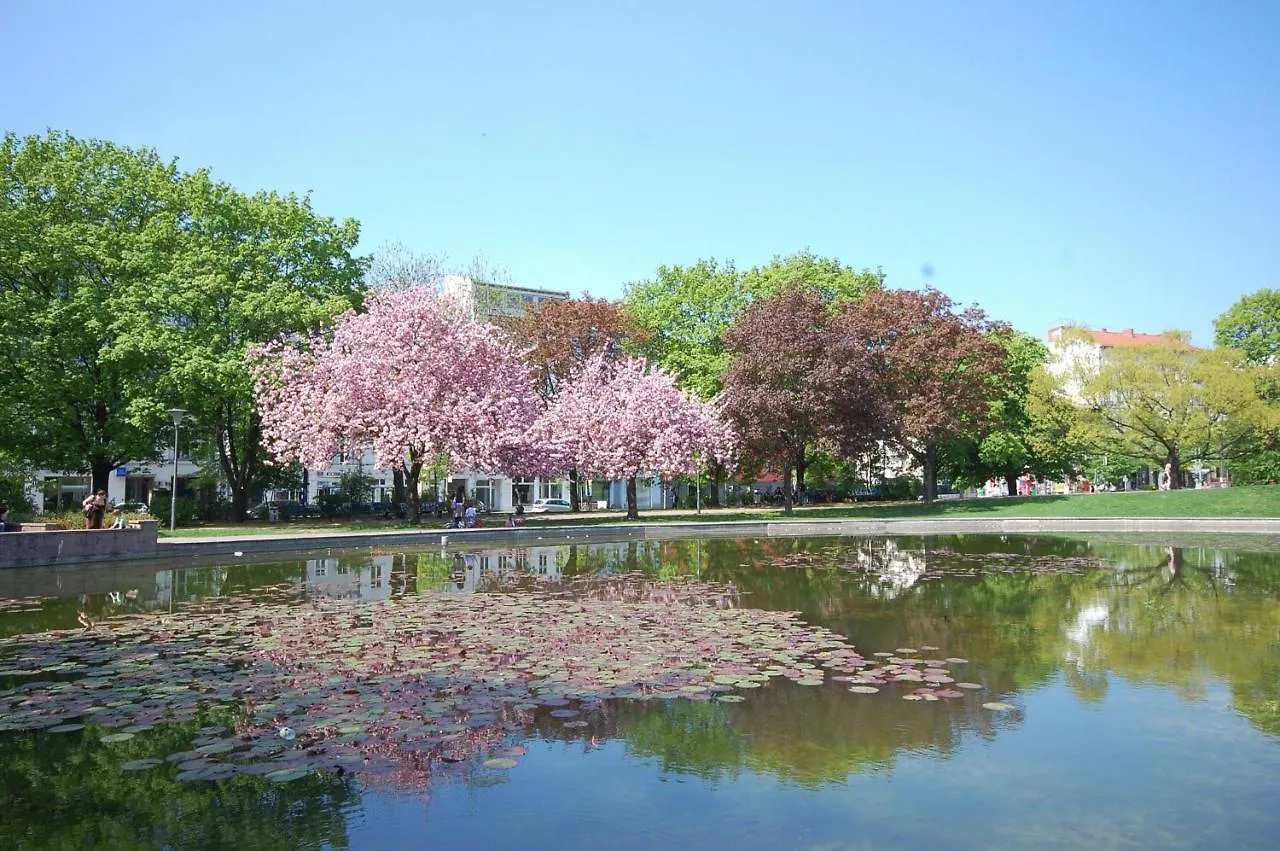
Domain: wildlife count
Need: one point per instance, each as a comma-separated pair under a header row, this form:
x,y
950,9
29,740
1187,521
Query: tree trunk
x,y
717,476
802,464
397,487
100,473
1175,470
240,459
1011,484
786,485
240,505
573,489
930,473
633,510
411,475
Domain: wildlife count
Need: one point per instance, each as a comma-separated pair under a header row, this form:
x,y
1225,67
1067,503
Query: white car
x,y
541,506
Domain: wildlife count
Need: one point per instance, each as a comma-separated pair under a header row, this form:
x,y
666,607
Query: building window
x,y
552,489
484,492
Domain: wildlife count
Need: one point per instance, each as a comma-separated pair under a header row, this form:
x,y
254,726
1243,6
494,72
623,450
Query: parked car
x,y
132,507
542,506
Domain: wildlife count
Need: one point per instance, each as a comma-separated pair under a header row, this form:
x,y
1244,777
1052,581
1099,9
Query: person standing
x,y
93,508
456,506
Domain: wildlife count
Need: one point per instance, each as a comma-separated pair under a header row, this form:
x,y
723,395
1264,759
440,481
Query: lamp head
x,y
178,415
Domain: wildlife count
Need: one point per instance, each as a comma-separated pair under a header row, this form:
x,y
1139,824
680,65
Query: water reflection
x,y
1032,615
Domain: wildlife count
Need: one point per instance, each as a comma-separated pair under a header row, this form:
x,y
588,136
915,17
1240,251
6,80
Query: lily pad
x,y
864,689
141,764
500,762
998,706
113,738
287,775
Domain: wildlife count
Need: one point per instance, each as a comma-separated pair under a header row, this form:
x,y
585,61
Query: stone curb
x,y
177,549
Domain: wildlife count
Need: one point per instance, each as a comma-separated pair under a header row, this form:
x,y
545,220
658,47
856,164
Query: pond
x,y
821,693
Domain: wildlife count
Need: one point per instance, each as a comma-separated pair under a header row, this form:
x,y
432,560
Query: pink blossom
x,y
412,377
619,418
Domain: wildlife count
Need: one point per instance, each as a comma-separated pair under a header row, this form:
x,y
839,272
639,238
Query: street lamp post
x,y
178,415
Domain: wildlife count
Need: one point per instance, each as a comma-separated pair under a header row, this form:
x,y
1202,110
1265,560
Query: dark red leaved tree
x,y
793,382
931,368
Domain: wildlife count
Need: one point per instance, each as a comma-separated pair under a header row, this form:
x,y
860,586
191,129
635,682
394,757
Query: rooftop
x,y
1109,339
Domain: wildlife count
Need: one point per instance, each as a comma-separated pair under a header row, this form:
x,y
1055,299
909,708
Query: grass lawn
x,y
1261,501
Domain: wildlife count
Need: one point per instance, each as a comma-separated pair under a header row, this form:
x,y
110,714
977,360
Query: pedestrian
x,y
4,517
121,522
456,521
93,508
470,514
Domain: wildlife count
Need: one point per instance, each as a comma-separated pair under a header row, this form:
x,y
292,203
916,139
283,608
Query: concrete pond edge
x,y
55,551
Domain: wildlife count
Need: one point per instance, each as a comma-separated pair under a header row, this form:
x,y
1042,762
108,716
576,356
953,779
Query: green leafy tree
x,y
85,226
1252,326
15,477
686,310
1005,450
357,486
248,269
128,287
1169,403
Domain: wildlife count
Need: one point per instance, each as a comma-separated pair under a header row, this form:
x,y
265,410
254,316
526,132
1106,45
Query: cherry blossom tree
x,y
622,417
412,377
562,335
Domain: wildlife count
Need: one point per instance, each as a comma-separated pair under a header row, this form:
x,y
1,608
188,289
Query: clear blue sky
x,y
1111,163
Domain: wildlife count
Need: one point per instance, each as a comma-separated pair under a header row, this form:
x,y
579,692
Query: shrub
x,y
903,487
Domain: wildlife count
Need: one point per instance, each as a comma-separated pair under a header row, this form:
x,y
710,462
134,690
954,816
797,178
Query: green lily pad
x,y
998,706
286,775
500,762
113,738
141,764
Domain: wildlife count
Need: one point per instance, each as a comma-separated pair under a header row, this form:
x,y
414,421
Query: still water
x,y
1077,694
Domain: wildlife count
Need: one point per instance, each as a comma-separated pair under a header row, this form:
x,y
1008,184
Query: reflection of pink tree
x,y
619,418
412,377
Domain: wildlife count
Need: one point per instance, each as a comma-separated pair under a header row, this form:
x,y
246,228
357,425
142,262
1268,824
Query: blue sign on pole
x,y
121,472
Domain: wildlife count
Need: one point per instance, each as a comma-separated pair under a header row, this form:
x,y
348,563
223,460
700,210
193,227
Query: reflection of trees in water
x,y
1170,615
68,791
809,736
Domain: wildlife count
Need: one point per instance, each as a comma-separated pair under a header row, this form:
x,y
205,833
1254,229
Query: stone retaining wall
x,y
73,546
